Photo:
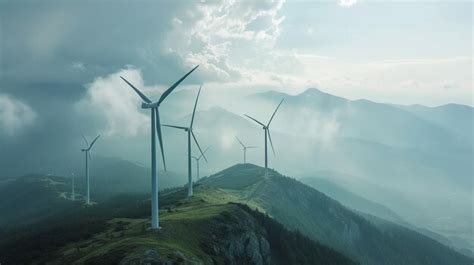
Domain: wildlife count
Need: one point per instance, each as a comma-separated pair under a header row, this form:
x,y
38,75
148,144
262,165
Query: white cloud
x,y
214,35
236,45
347,3
117,104
14,115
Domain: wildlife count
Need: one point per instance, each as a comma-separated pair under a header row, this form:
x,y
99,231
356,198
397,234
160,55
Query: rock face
x,y
240,241
235,238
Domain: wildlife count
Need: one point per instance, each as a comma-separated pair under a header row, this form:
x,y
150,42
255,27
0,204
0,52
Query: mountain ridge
x,y
301,207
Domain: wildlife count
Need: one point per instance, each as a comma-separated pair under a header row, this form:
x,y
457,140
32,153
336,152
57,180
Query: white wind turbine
x,y
197,159
244,148
156,125
266,128
87,151
190,132
73,192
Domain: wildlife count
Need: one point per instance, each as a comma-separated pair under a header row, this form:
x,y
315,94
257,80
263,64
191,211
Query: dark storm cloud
x,y
50,51
75,42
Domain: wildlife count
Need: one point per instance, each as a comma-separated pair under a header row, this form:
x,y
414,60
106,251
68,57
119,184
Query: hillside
x,y
32,198
350,199
298,206
200,230
323,181
42,196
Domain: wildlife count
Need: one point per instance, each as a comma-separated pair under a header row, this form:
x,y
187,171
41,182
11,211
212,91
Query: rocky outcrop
x,y
240,240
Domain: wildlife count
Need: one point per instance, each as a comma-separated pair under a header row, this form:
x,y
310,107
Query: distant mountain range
x,y
416,160
395,125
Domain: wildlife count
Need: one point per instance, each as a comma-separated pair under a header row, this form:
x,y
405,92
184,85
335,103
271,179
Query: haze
x,y
378,95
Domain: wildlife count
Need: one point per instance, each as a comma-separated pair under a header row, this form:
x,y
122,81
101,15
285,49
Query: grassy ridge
x,y
205,228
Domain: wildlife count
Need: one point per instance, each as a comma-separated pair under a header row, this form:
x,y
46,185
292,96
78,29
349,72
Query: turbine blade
x,y
199,147
90,156
240,142
174,126
85,140
204,153
93,142
271,144
144,98
207,149
252,146
171,88
255,120
160,138
195,104
274,112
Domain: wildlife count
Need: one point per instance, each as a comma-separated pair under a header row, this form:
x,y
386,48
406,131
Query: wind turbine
x,y
244,148
73,193
190,132
266,128
87,151
197,159
156,125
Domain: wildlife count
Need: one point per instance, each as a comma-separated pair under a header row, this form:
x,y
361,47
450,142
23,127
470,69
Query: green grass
x,y
183,222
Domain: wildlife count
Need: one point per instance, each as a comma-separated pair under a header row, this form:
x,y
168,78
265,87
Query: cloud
x,y
59,35
320,126
15,115
347,3
118,107
214,36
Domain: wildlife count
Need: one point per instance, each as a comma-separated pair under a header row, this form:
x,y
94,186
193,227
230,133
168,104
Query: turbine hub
x,y
146,105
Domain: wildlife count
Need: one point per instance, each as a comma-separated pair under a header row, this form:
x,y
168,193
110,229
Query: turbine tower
x,y
244,148
155,125
190,132
73,193
197,159
87,151
266,128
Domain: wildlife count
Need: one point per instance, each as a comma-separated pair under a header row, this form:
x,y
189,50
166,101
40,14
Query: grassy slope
x,y
107,233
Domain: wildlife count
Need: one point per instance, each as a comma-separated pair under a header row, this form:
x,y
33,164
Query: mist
x,y
347,115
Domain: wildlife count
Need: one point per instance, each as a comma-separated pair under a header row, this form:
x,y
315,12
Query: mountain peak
x,y
238,176
312,90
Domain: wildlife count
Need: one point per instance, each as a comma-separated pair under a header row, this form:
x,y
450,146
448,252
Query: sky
x,y
60,61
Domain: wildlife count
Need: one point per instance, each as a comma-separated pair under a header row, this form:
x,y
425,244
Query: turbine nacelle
x,y
149,105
